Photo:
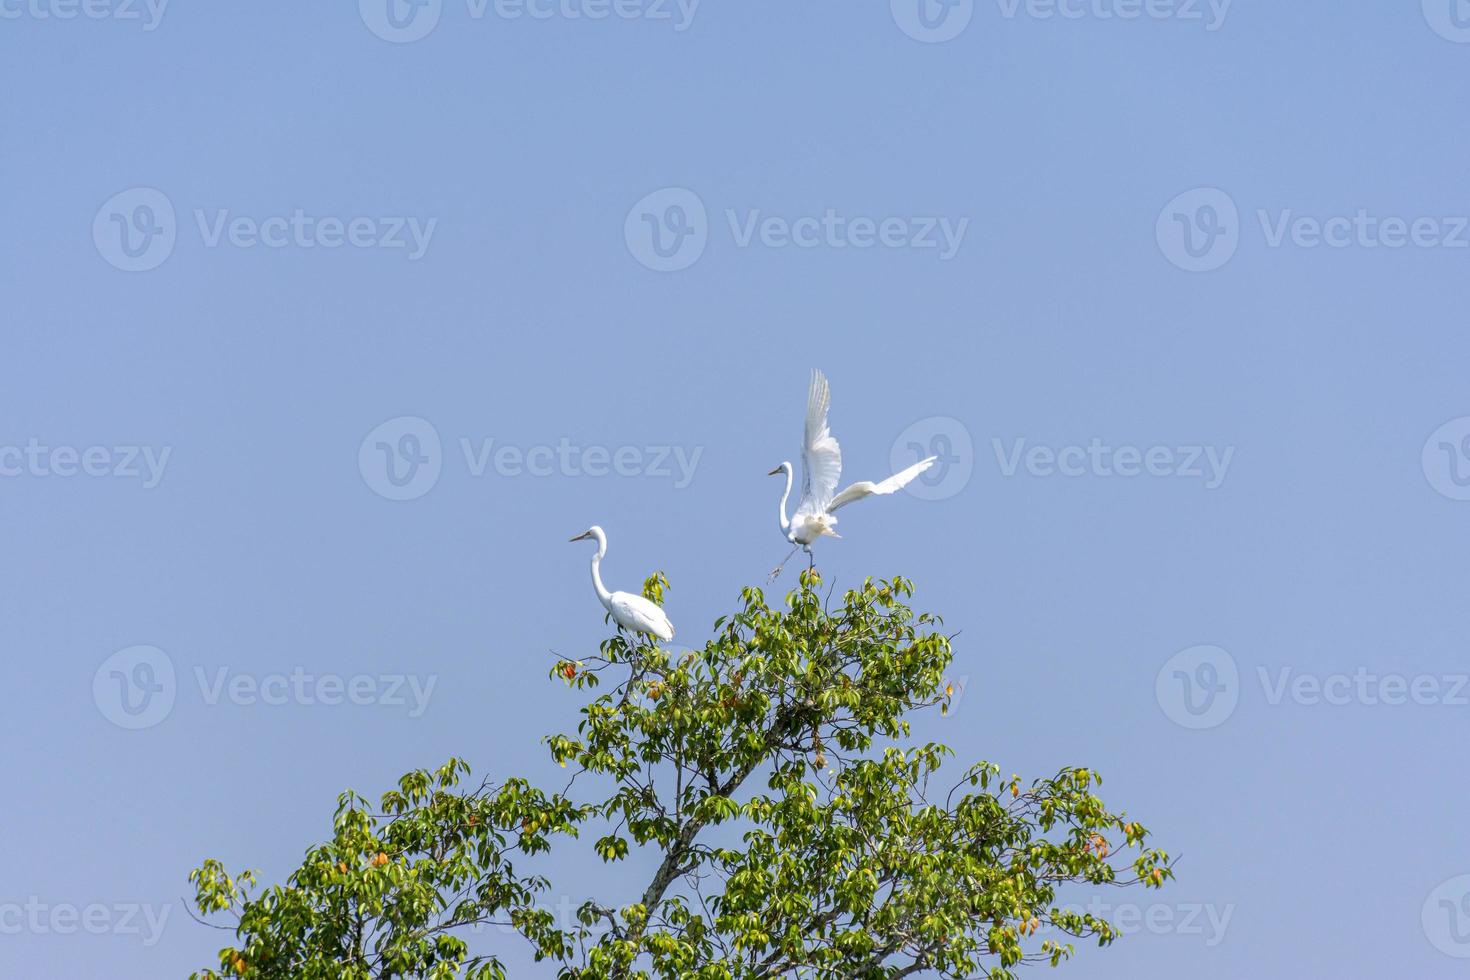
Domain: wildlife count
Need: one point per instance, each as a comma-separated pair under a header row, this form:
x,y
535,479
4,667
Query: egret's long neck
x,y
785,523
602,593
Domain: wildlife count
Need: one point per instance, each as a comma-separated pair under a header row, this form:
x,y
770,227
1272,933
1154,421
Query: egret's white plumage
x,y
821,468
631,612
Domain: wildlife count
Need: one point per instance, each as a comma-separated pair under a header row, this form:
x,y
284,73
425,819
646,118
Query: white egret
x,y
821,467
631,612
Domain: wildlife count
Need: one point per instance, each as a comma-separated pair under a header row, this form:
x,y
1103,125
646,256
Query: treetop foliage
x,y
798,830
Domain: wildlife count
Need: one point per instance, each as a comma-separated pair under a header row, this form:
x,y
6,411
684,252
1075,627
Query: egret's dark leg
x,y
776,572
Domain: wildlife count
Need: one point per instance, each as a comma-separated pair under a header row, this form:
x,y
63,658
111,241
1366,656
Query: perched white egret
x,y
631,612
821,467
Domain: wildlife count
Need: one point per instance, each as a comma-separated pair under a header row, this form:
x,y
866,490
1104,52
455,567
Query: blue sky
x,y
1177,290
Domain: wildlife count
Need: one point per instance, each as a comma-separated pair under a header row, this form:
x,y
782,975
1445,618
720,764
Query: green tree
x,y
798,829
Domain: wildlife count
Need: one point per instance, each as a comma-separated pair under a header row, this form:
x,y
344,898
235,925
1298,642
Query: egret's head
x,y
589,533
779,470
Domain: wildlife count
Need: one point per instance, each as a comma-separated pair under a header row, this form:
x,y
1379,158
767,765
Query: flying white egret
x,y
631,612
821,467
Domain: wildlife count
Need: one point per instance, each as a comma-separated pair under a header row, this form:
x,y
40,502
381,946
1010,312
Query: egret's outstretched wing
x,y
821,457
866,488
